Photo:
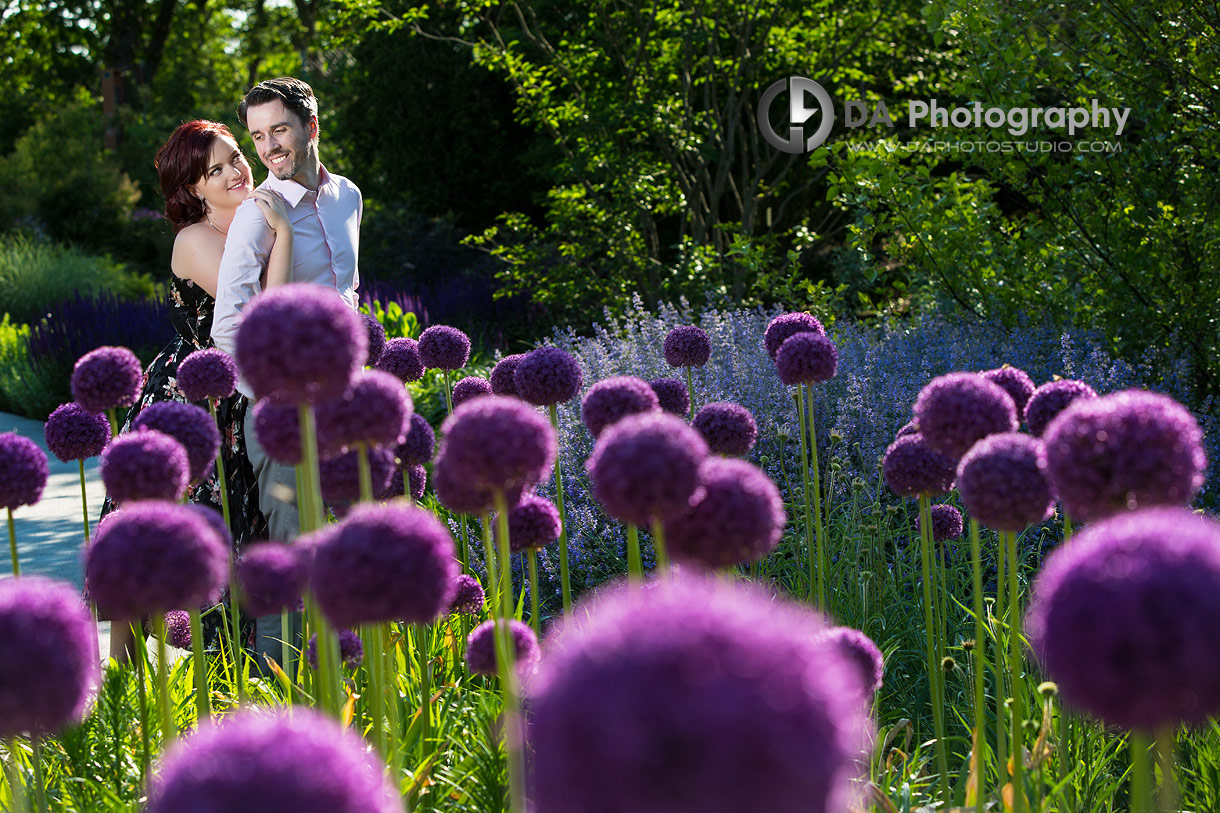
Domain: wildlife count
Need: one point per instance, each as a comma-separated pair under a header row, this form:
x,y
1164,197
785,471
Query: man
x,y
325,210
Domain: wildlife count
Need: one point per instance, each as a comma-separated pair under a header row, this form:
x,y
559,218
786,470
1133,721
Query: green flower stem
x,y
286,649
658,545
235,645
934,668
690,390
535,608
374,663
167,721
366,473
817,504
1067,526
635,565
980,660
423,645
1167,794
16,791
389,650
1014,669
310,507
514,741
564,577
114,422
141,656
203,702
1141,772
12,543
800,413
489,558
40,782
84,500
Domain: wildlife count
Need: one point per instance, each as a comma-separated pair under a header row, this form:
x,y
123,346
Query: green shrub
x,y
24,388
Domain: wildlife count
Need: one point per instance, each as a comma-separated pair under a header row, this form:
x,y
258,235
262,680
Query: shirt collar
x,y
292,191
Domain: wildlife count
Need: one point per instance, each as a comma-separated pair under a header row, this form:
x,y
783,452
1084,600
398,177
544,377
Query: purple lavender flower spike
x,y
1014,381
145,465
272,578
914,469
178,629
789,324
947,523
687,346
444,348
470,387
672,395
533,523
107,378
207,374
400,358
469,596
340,476
374,410
74,433
1052,398
192,426
420,444
1125,450
377,340
481,648
351,649
806,358
646,466
548,376
503,375
728,428
254,762
1003,482
384,563
23,471
615,398
300,342
657,698
277,425
957,410
497,443
47,669
863,652
736,516
1126,619
155,557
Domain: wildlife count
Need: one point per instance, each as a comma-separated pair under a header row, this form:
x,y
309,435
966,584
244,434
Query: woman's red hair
x,y
182,161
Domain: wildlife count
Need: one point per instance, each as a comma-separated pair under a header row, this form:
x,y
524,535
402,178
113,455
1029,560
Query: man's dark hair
x,y
296,95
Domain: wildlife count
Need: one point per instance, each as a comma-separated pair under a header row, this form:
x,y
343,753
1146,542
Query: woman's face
x,y
227,180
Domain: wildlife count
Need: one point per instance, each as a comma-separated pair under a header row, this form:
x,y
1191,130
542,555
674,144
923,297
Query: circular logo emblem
x,y
798,114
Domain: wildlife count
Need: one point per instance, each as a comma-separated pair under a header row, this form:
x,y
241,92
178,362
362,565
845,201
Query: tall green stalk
x,y
141,656
40,782
15,784
12,543
1167,794
809,546
84,500
374,665
203,702
980,662
167,718
817,503
1014,668
658,545
635,565
235,645
1000,723
1141,772
565,582
690,391
514,735
935,673
535,603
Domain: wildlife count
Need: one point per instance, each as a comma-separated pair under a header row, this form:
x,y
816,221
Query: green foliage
x,y
397,323
36,274
24,386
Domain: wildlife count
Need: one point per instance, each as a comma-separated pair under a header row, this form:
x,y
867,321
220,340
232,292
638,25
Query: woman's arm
x,y
279,264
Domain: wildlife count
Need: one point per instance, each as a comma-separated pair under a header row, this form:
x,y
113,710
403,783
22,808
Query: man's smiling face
x,y
283,141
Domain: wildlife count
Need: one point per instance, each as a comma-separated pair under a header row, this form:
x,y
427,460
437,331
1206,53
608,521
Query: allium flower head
x,y
1126,619
806,358
911,427
481,648
957,410
497,443
470,387
615,398
215,519
47,668
728,428
1003,482
145,465
178,629
300,342
672,395
670,699
646,466
340,476
503,375
107,378
374,410
400,358
271,577
946,523
461,496
444,348
687,346
23,471
74,433
206,374
532,523
863,652
351,649
912,468
253,762
1052,398
192,426
1016,382
548,376
377,340
468,597
420,444
414,476
277,427
389,562
1125,450
152,558
736,516
789,324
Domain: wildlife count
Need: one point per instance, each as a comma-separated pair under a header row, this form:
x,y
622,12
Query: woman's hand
x,y
274,210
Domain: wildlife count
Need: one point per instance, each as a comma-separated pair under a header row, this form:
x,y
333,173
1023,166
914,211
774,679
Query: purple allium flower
x,y
420,444
1126,619
497,443
152,558
911,427
687,346
548,376
468,598
417,481
375,410
470,387
145,465
192,426
107,378
481,648
863,652
277,426
444,348
1129,449
23,471
1003,482
206,374
351,649
672,395
415,476
340,476
789,324
462,497
300,342
955,411
946,522
401,360
389,562
615,398
532,523
736,516
728,428
806,358
74,433
646,466
1016,382
47,668
912,468
377,340
667,699
503,375
215,519
178,629
254,762
271,577
1052,398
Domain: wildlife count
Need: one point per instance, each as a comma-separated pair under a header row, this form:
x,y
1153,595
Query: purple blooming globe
x,y
178,629
533,523
669,699
339,477
207,374
468,596
277,427
74,433
1052,398
374,410
107,378
728,428
806,358
946,523
481,648
192,426
687,346
420,444
1003,482
1126,619
497,443
672,395
377,340
786,325
442,347
736,516
503,375
957,410
1130,449
351,649
470,387
615,398
145,465
23,471
300,342
913,469
47,668
255,762
862,651
1014,381
400,358
548,376
271,577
